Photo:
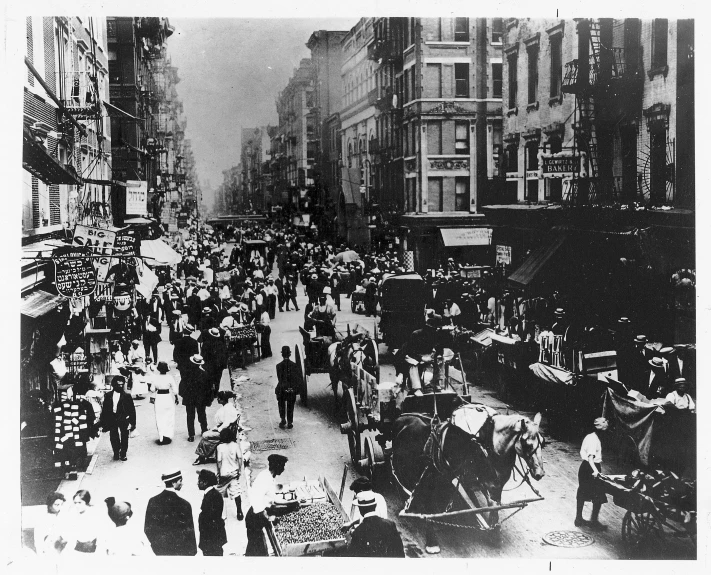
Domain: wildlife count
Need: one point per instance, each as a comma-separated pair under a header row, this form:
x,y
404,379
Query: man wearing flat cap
x,y
169,523
289,384
374,536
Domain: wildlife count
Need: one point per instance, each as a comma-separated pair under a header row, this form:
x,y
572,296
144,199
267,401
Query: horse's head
x,y
529,445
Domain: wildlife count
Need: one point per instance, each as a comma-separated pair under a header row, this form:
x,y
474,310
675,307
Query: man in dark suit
x,y
118,417
197,394
375,536
289,384
169,524
184,348
211,524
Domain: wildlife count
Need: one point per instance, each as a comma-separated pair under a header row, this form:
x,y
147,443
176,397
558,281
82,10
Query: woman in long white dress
x,y
164,399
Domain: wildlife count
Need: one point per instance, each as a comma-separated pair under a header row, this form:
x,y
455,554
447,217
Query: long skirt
x,y
165,415
230,486
589,488
208,443
256,540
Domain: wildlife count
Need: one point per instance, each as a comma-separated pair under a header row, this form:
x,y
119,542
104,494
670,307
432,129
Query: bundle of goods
x,y
317,522
670,495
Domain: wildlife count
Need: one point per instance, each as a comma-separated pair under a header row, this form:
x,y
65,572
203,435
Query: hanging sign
x,y
136,198
74,274
104,291
100,242
503,255
127,244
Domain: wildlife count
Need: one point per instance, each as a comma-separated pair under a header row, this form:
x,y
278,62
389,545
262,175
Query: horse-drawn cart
x,y
656,505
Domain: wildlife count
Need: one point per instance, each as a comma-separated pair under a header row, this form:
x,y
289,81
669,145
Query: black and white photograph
x,y
420,284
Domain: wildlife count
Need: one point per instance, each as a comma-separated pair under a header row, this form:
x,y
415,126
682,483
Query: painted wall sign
x,y
74,274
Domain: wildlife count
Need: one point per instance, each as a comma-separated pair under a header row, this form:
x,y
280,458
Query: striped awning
x,y
39,303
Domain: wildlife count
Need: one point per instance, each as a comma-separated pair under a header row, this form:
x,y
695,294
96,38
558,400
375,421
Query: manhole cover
x,y
270,445
568,539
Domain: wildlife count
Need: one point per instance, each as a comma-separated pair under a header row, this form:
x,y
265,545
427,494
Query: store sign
x,y
100,242
503,255
104,291
561,165
127,245
136,198
74,274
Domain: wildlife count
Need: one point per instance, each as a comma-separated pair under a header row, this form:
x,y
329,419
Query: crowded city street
x,y
427,314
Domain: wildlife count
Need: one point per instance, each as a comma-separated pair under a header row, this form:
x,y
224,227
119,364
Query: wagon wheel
x,y
373,462
299,360
636,527
376,367
354,429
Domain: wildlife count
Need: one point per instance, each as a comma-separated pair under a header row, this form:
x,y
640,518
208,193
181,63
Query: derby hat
x,y
285,351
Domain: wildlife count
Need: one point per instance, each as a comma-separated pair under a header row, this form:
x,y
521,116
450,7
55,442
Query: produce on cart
x,y
309,520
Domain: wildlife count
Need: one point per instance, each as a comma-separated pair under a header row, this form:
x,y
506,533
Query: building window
x,y
531,165
532,74
433,81
497,80
461,29
658,166
659,43
461,138
513,79
434,31
413,92
628,143
512,158
434,138
411,195
434,194
554,190
497,30
556,65
461,80
461,194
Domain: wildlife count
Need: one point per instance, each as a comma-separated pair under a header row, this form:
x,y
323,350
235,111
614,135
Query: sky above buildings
x,y
231,71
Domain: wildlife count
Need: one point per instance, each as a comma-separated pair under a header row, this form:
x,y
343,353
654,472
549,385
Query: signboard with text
x,y
74,274
126,245
99,242
136,198
559,165
503,255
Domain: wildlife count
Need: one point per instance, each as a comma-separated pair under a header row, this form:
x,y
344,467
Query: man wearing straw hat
x,y
375,536
169,523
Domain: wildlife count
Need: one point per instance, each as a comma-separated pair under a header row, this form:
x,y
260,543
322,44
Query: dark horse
x,y
482,465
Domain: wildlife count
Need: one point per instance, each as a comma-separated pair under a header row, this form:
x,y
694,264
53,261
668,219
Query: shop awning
x,y
115,111
535,262
37,160
453,237
39,303
157,252
350,180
